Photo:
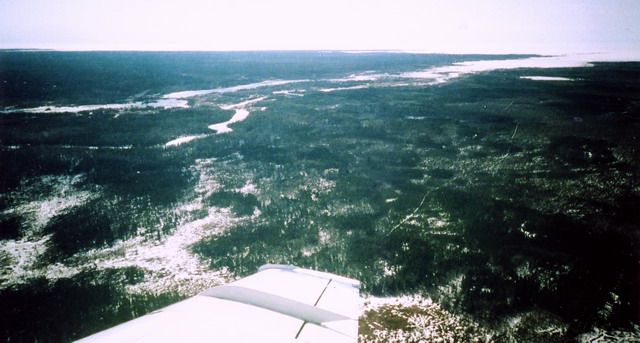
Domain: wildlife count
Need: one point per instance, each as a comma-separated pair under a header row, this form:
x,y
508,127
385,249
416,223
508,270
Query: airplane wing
x,y
280,303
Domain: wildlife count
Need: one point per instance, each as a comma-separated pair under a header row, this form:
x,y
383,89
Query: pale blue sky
x,y
455,26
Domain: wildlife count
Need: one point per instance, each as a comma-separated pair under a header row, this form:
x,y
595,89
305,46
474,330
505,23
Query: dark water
x,y
494,194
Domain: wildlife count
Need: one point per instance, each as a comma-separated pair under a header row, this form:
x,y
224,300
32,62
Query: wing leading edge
x,y
279,303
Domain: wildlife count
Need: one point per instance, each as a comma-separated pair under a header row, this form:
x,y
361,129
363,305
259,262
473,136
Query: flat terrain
x,y
508,198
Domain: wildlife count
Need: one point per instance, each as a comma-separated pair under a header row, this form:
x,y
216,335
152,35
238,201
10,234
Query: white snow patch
x,y
62,194
183,139
161,103
329,90
169,264
169,103
546,78
439,222
445,73
242,104
233,89
93,147
207,182
20,255
360,77
372,302
528,234
248,188
289,92
188,94
241,114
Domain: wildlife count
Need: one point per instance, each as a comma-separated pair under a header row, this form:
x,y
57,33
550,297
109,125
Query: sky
x,y
447,26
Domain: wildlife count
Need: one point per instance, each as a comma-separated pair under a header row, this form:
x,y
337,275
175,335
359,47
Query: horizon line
x,y
626,55
404,51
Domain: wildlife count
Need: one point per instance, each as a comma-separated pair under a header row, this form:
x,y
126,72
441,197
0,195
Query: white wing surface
x,y
280,303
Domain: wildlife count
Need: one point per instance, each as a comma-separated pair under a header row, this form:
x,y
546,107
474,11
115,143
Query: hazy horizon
x,y
458,27
481,188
